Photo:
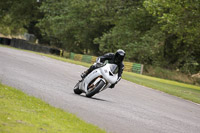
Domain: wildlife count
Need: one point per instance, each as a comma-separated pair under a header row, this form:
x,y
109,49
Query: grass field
x,y
20,113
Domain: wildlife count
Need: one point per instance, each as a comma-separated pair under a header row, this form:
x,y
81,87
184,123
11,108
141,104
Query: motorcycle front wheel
x,y
96,89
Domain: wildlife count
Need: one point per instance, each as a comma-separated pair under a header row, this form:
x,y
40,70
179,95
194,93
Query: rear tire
x,y
76,89
95,90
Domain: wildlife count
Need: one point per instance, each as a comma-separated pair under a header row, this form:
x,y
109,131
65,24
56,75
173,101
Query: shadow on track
x,y
98,99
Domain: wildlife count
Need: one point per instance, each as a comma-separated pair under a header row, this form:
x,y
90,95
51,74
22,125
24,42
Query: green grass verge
x,y
185,91
20,113
65,59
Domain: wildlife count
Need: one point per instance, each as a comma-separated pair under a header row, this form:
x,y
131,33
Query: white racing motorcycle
x,y
98,80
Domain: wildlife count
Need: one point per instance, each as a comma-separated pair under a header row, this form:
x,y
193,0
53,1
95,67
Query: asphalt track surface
x,y
128,108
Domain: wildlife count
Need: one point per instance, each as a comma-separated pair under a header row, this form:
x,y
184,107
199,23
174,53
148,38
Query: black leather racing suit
x,y
111,59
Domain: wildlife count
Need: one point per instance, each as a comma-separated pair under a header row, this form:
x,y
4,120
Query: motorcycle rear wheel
x,y
76,89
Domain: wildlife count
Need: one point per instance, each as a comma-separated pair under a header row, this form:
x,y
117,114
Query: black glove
x,y
118,80
112,86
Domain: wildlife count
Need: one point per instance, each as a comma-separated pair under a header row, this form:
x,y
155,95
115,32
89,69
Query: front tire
x,y
95,90
76,89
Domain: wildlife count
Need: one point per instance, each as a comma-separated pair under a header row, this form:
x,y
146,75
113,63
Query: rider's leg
x,y
83,75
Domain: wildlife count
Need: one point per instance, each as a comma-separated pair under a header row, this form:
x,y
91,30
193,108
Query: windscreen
x,y
114,68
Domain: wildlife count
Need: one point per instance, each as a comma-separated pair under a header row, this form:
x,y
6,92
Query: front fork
x,y
94,84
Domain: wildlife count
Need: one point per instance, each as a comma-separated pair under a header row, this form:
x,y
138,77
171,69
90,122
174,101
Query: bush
x,y
170,74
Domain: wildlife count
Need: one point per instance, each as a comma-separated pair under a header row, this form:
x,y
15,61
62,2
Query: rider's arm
x,y
108,56
121,68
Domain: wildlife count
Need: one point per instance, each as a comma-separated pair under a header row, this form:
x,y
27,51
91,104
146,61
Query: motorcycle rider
x,y
115,58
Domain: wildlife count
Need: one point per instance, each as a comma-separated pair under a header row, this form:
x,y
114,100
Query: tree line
x,y
164,33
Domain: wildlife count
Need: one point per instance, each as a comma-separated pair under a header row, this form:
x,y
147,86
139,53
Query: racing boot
x,y
84,74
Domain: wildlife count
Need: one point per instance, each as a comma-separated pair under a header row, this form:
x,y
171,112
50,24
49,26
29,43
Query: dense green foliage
x,y
180,20
153,32
19,16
